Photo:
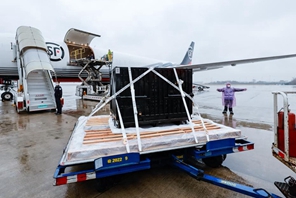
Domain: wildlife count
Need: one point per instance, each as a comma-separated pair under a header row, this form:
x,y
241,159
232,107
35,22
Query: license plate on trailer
x,y
117,160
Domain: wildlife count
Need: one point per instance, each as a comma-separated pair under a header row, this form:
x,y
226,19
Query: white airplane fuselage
x,y
77,45
60,56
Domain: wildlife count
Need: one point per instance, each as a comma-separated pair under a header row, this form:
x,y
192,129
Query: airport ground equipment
x,y
284,145
95,136
35,86
199,87
7,86
92,87
97,149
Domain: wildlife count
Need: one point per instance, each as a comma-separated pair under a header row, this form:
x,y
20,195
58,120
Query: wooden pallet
x,y
95,121
95,138
106,135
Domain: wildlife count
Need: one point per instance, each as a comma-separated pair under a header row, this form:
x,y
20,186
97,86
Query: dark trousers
x,y
225,109
59,105
228,103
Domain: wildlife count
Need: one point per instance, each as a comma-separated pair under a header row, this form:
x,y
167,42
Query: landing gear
x,y
7,86
6,96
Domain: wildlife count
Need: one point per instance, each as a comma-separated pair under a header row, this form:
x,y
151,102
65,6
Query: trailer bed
x,y
97,137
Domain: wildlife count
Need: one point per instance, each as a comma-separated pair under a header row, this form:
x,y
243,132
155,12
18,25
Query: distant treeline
x,y
292,82
281,82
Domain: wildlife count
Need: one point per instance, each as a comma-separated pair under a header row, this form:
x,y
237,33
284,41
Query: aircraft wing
x,y
217,65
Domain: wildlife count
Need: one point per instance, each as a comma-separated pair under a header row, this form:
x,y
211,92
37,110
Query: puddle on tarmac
x,y
231,121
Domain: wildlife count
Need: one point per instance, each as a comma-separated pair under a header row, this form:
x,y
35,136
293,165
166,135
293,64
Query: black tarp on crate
x,y
157,101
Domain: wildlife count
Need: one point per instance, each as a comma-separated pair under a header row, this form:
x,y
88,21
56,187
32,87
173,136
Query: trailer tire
x,y
214,162
101,185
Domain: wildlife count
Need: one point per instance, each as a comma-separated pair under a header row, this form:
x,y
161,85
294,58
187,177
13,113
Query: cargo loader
x,y
92,87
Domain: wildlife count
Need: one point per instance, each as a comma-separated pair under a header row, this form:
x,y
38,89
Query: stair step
x,y
40,91
41,100
41,107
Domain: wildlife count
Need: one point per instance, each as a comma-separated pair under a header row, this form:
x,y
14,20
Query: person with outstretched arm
x,y
228,97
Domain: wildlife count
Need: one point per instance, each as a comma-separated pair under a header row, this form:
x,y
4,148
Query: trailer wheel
x,y
214,162
101,185
6,96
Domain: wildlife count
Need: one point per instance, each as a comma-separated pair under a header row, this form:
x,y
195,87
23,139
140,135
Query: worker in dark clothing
x,y
58,94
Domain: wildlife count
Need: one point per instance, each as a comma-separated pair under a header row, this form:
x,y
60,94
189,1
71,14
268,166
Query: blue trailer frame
x,y
131,162
199,175
213,151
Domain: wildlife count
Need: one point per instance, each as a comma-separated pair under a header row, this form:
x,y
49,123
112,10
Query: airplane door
x,y
78,42
79,37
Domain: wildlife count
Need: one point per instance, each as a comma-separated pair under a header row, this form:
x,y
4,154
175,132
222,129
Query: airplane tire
x,y
6,96
214,162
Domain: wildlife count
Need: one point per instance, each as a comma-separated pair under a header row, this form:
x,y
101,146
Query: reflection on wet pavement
x,y
6,126
232,122
85,107
228,121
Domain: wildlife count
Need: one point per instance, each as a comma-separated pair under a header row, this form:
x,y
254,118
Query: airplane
x,y
199,87
77,45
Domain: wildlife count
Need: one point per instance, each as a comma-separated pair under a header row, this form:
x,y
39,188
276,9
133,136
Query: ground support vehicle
x,y
97,142
284,145
35,87
98,148
92,87
212,153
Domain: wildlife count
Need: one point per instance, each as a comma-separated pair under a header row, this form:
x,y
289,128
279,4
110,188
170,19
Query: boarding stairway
x,y
35,85
41,94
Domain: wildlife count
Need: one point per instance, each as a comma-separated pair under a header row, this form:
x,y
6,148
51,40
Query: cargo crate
x,y
157,101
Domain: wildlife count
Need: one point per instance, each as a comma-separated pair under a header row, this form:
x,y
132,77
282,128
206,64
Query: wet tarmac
x,y
31,145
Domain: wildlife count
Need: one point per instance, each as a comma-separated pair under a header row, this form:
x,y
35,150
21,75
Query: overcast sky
x,y
163,29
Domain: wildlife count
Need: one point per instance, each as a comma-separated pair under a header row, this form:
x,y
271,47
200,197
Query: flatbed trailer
x,y
211,152
108,153
97,149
